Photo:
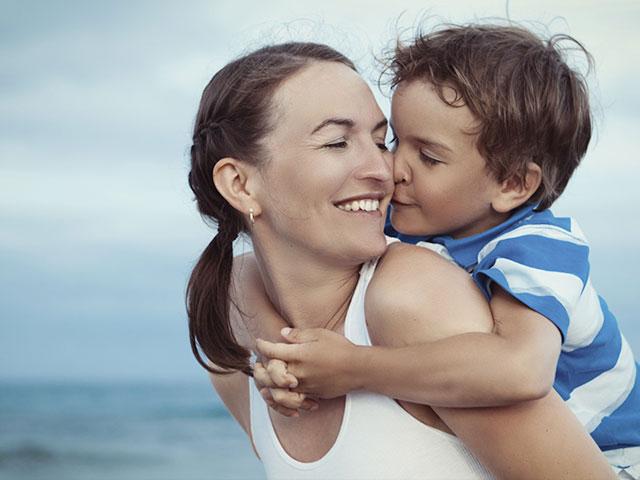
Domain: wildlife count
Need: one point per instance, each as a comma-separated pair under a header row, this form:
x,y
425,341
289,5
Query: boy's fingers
x,y
262,377
281,351
301,335
293,381
285,398
309,405
266,396
277,370
287,412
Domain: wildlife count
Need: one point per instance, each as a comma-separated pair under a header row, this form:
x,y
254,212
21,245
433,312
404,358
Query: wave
x,y
202,412
27,454
33,455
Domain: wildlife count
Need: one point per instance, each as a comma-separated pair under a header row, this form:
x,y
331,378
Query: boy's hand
x,y
274,375
320,360
274,382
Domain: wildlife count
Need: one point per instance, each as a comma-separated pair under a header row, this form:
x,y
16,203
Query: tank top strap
x,y
355,324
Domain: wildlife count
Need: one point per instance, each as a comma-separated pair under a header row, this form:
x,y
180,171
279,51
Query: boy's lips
x,y
400,202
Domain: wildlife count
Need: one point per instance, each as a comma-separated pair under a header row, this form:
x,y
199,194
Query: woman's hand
x,y
274,383
322,361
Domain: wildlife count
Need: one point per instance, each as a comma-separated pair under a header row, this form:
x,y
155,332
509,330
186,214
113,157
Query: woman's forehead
x,y
324,90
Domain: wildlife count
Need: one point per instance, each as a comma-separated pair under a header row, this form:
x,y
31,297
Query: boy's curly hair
x,y
531,106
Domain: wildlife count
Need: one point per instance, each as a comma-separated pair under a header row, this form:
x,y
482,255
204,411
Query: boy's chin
x,y
408,228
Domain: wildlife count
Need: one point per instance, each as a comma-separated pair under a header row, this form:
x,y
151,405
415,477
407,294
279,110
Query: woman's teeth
x,y
368,205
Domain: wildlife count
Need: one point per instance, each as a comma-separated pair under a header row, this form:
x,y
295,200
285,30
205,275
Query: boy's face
x,y
442,184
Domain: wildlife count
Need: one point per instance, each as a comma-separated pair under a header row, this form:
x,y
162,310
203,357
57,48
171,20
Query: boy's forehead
x,y
417,85
423,101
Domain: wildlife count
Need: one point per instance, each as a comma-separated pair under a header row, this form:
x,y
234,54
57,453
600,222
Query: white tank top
x,y
377,439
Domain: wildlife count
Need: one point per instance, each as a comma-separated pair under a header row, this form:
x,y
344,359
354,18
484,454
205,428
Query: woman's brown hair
x,y
530,105
234,116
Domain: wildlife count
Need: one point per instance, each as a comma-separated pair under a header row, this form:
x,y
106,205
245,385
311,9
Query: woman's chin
x,y
369,248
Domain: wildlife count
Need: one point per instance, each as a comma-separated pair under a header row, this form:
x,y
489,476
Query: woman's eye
x,y
428,159
382,146
340,144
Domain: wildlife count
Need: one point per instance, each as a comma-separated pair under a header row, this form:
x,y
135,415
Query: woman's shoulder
x,y
399,254
416,295
407,268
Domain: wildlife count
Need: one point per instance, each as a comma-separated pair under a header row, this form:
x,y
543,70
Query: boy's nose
x,y
401,172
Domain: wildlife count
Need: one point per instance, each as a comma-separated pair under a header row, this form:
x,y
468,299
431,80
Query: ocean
x,y
120,431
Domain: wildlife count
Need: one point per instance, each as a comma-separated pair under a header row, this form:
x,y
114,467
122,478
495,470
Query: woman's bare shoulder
x,y
416,295
405,270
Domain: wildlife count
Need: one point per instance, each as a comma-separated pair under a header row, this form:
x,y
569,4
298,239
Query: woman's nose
x,y
378,166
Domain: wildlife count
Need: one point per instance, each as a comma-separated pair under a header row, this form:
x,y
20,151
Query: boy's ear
x,y
514,191
234,180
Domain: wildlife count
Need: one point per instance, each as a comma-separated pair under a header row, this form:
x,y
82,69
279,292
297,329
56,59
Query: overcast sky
x,y
98,231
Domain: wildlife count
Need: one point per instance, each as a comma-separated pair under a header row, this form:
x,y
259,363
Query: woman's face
x,y
328,177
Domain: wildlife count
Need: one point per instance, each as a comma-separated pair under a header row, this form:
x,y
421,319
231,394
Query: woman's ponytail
x,y
208,304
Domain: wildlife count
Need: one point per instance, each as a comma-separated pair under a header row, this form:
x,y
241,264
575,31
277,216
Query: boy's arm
x,y
511,361
515,362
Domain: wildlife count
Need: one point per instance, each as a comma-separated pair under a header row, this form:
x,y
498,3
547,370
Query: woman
x,y
289,146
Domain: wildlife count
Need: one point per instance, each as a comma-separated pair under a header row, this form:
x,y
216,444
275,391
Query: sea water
x,y
120,431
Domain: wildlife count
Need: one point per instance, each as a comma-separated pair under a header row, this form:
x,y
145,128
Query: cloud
x,y
99,230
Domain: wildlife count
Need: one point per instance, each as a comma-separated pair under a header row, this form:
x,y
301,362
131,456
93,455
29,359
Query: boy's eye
x,y
428,159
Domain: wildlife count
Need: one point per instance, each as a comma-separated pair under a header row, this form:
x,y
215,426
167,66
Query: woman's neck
x,y
306,291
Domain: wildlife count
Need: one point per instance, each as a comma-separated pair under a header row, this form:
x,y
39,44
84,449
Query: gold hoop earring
x,y
251,217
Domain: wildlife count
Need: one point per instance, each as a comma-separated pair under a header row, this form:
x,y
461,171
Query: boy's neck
x,y
490,221
464,250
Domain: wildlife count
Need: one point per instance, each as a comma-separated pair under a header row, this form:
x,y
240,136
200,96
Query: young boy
x,y
490,124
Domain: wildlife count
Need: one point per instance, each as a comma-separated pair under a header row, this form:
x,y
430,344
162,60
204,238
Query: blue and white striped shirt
x,y
543,261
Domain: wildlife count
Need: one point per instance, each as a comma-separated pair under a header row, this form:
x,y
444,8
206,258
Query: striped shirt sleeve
x,y
543,266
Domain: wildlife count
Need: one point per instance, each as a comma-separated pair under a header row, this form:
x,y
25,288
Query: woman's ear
x,y
515,191
232,179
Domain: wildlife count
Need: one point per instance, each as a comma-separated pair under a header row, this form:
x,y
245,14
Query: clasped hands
x,y
315,363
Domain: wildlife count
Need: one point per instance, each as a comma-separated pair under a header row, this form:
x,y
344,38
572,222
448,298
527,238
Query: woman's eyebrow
x,y
343,122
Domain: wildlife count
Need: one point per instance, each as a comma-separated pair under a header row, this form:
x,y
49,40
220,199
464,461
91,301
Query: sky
x,y
98,229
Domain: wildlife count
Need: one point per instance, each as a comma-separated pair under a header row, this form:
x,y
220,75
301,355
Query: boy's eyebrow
x,y
429,143
344,122
432,143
